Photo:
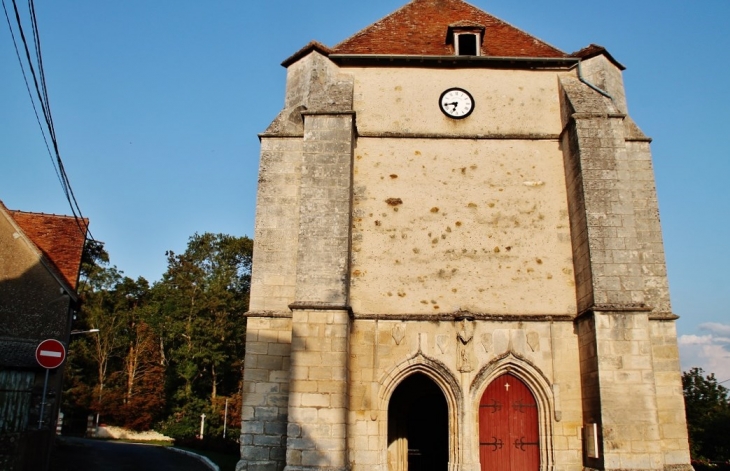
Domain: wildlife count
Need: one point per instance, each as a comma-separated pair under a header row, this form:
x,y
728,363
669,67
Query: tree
x,y
203,295
169,351
708,416
127,385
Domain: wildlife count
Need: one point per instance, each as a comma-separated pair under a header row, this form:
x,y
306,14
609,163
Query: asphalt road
x,y
79,454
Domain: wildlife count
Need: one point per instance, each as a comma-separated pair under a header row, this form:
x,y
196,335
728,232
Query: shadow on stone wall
x,y
32,308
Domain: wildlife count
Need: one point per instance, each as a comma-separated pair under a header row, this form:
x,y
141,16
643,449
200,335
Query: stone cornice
x,y
577,116
406,135
269,314
281,135
451,61
615,308
465,315
663,316
319,306
494,136
328,113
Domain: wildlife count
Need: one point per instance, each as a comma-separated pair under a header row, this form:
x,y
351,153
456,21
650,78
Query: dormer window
x,y
466,38
467,44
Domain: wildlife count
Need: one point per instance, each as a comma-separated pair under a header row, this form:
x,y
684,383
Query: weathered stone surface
x,y
392,241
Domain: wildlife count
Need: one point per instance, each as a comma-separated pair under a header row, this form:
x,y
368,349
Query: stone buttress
x,y
627,338
295,399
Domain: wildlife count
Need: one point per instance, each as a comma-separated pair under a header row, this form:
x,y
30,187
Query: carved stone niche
x,y
398,332
464,350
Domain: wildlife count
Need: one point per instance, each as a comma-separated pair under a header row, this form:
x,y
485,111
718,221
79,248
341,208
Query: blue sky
x,y
157,106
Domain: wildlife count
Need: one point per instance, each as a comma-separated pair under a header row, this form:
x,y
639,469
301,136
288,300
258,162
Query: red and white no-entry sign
x,y
50,354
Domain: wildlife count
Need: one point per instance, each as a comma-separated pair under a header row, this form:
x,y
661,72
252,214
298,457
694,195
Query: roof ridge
x,y
44,214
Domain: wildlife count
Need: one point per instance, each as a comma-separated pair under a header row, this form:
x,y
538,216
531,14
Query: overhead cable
x,y
39,81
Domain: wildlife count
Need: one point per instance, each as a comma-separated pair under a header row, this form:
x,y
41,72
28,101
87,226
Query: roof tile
x,y
421,26
60,238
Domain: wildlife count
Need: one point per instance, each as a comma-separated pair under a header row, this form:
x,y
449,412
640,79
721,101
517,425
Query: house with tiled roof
x,y
40,258
458,260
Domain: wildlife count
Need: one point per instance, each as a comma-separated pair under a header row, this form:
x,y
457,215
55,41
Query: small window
x,y
467,44
466,38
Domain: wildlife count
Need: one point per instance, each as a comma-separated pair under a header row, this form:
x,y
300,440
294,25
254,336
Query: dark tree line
x,y
167,352
708,416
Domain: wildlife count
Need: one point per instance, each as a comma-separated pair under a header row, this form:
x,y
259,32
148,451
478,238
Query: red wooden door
x,y
508,436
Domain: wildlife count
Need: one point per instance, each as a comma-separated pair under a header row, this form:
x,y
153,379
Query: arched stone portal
x,y
538,385
418,426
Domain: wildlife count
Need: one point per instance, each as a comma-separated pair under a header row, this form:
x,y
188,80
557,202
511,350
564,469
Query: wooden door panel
x,y
494,444
508,435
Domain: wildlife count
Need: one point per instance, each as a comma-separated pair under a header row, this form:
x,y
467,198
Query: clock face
x,y
456,103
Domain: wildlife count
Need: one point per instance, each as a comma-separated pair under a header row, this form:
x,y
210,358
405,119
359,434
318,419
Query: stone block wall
x,y
604,74
568,395
590,384
276,236
629,368
295,366
324,217
629,418
543,353
594,147
578,220
266,394
647,226
612,239
317,430
619,390
669,398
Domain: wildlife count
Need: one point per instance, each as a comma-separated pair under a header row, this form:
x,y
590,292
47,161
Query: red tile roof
x,y
59,238
421,26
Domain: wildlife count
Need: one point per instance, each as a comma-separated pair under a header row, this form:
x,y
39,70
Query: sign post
x,y
50,355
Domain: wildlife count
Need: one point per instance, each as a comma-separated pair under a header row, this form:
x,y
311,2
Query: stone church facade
x,y
458,260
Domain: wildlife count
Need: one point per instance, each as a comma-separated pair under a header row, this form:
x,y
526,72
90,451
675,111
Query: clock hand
x,y
454,104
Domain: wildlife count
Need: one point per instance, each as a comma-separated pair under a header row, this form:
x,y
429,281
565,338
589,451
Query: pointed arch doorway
x,y
508,427
418,426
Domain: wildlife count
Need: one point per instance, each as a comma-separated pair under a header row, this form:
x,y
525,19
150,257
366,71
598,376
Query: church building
x,y
458,261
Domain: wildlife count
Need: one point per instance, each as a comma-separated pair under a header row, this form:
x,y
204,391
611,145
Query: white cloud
x,y
695,339
709,352
715,327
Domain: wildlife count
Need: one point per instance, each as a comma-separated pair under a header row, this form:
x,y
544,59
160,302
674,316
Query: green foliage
x,y
165,353
708,416
202,295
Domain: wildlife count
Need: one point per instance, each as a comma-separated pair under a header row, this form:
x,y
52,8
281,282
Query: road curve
x,y
79,454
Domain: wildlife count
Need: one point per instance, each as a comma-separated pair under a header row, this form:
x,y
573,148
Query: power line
x,y
30,94
42,93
